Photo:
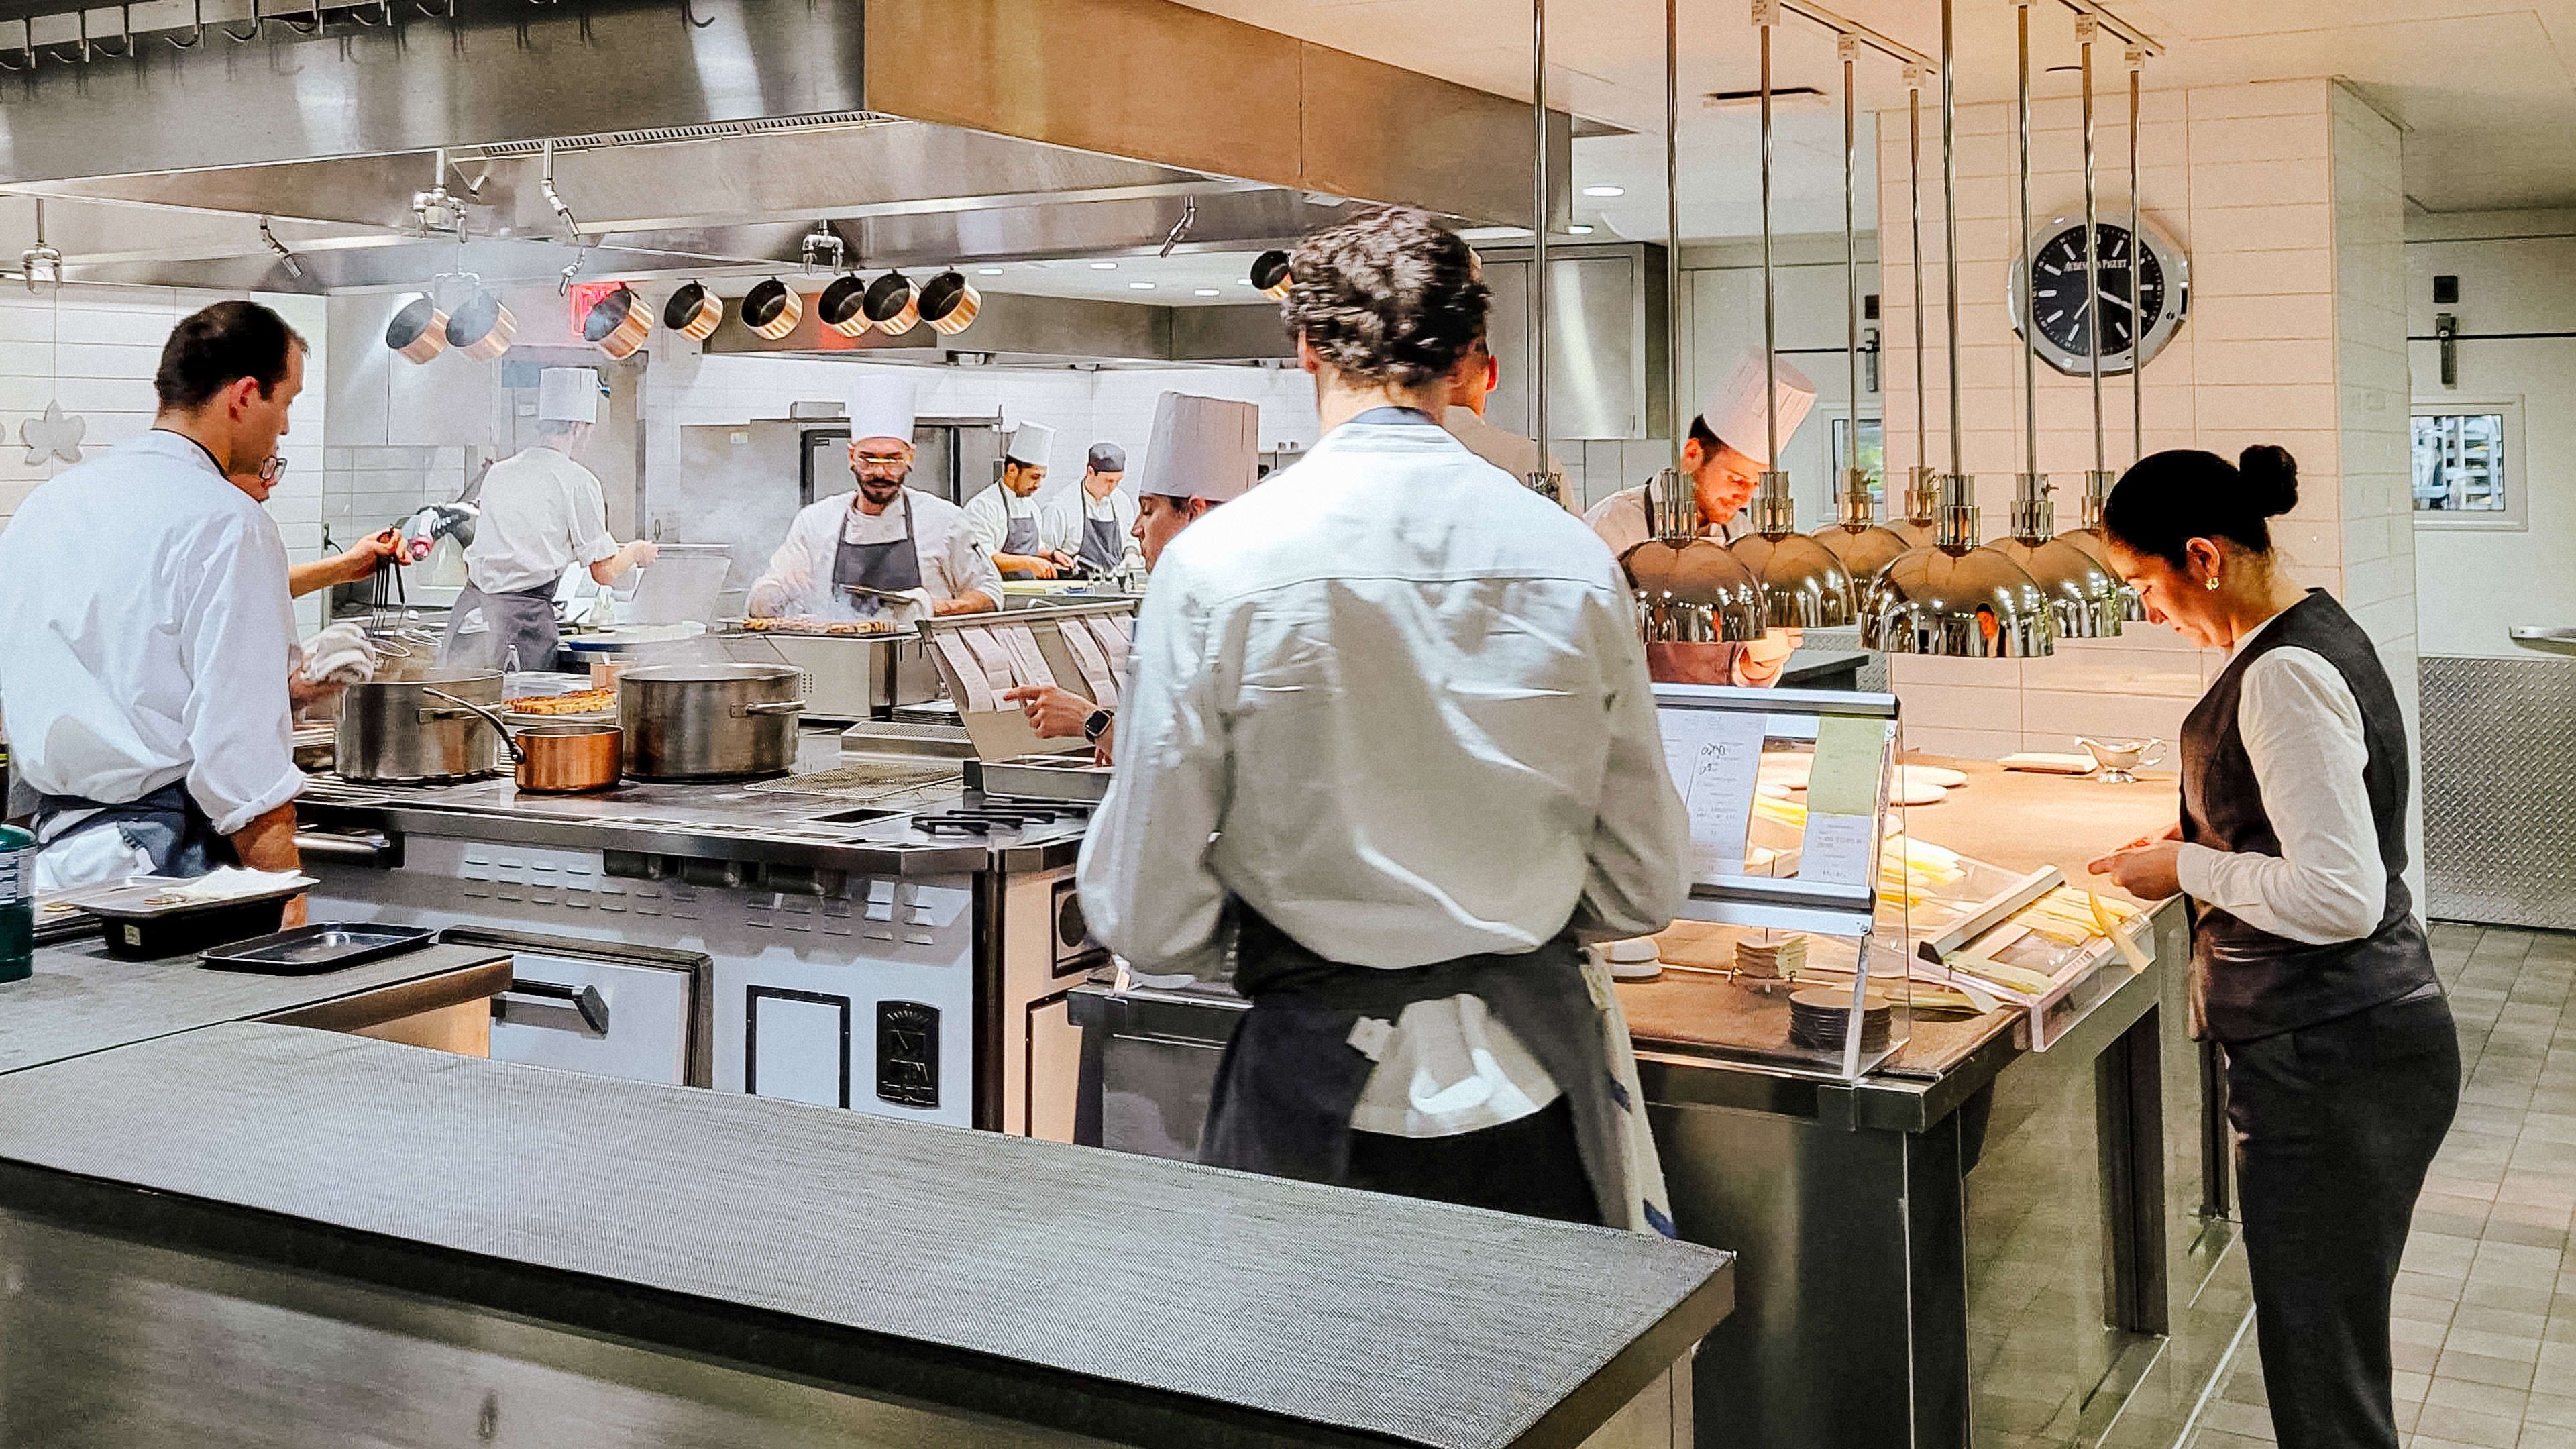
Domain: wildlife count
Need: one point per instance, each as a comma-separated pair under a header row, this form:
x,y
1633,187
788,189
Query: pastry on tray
x,y
581,701
807,624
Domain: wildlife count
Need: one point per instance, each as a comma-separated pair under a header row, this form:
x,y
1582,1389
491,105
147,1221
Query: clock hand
x,y
2120,302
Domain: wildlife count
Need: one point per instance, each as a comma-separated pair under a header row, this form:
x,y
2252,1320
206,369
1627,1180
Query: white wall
x,y
2517,273
95,348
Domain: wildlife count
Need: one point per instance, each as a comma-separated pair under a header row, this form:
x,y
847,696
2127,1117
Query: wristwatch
x,y
1099,721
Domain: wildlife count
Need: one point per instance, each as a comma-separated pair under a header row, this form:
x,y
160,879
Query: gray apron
x,y
167,825
893,566
1102,545
524,621
1020,536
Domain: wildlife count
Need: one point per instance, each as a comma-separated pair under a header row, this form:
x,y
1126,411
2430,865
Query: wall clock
x,y
2053,289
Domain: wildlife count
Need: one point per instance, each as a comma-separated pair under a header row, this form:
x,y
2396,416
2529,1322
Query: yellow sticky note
x,y
1845,778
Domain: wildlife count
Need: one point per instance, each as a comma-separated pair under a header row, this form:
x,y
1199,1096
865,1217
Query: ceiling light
x,y
1580,228
988,271
1104,266
1243,281
1140,286
1207,291
1605,191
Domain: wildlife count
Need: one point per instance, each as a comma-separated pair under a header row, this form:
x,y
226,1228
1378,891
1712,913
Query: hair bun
x,y
2271,479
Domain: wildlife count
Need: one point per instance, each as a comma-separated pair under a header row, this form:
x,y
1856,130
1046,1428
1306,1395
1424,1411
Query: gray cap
x,y
1107,458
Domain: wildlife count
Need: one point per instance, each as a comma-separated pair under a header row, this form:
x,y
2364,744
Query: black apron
x,y
523,620
1102,544
167,825
1291,1078
893,566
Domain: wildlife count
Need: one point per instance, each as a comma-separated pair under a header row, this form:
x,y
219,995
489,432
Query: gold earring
x,y
2213,583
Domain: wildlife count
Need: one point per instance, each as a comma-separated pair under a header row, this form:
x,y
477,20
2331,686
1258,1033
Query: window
x,y
1873,457
2468,464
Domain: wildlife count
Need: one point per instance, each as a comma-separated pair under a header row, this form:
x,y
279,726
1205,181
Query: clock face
x,y
2059,284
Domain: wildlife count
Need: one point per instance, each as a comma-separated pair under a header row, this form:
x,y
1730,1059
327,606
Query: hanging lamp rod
x,y
2128,33
1895,49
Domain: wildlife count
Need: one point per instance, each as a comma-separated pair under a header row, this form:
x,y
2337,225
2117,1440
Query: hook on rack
x,y
312,26
196,29
125,28
689,13
257,20
29,28
66,57
1181,228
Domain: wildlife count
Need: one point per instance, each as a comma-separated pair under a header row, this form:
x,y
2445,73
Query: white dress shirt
x,y
146,635
799,577
1396,702
1060,522
990,512
2303,733
542,514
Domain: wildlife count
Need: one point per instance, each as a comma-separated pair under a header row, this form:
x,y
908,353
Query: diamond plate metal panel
x,y
2500,790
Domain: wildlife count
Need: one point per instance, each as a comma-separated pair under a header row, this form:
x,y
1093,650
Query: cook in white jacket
x,y
898,548
149,704
1005,517
1094,524
542,513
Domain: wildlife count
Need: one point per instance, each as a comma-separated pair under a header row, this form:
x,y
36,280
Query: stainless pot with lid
x,y
709,721
419,731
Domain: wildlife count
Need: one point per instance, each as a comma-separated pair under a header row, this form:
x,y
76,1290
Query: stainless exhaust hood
x,y
921,131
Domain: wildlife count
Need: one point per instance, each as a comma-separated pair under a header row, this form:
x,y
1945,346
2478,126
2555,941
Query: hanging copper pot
x,y
693,311
771,309
419,331
1270,274
948,302
838,307
618,324
892,306
482,328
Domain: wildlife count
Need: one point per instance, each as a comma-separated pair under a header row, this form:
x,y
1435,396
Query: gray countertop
x,y
1135,1299
83,1000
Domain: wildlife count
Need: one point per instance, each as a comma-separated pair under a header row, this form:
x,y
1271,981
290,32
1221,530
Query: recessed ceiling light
x,y
1580,228
1605,191
1243,281
988,271
1205,292
1104,266
1140,286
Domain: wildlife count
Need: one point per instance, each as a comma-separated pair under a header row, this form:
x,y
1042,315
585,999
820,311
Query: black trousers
x,y
1531,1166
2335,1127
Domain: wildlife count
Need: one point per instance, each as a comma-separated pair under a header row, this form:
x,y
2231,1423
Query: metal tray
x,y
134,900
312,950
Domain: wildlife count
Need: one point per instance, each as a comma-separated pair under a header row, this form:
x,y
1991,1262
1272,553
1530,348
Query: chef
x,y
542,514
1724,457
906,550
1005,517
1465,420
1096,523
1205,450
1388,746
148,704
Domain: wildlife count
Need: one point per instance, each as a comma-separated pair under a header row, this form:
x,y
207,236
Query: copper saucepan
x,y
948,302
771,309
618,324
838,307
892,306
482,328
693,312
567,759
1270,275
418,331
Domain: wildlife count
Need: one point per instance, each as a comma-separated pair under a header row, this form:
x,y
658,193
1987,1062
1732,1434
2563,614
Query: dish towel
x,y
340,654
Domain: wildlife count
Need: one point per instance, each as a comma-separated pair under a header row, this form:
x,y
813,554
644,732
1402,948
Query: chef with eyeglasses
x,y
1006,517
884,550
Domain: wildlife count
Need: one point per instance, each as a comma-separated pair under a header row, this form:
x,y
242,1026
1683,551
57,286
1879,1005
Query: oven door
x,y
603,1007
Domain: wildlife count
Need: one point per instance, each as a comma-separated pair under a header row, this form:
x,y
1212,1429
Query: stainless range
x,y
908,955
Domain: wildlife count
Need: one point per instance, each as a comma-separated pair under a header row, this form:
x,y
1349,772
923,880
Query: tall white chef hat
x,y
1203,447
1030,443
1735,413
568,395
881,406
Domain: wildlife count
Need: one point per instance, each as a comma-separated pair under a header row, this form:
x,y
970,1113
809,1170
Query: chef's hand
x,y
2150,872
302,692
1063,561
1040,565
294,916
1758,663
1056,714
1100,749
2170,832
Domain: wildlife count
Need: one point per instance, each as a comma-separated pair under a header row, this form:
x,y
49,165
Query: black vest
x,y
2249,983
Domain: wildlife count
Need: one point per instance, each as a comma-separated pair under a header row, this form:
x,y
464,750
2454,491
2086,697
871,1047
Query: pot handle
x,y
476,710
779,706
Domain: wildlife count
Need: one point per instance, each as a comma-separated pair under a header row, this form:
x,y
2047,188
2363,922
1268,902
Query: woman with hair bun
x,y
2308,965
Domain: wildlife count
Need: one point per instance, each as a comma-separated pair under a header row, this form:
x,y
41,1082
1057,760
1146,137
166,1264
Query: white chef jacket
x,y
1396,702
1060,522
542,514
951,564
2303,733
1622,523
989,515
146,635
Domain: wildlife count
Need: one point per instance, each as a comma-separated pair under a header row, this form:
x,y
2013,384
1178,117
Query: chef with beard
x,y
884,548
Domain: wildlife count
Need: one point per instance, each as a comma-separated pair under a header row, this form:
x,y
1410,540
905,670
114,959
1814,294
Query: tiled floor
x,y
2486,1302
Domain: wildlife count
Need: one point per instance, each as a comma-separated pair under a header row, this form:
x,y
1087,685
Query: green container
x,y
17,904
